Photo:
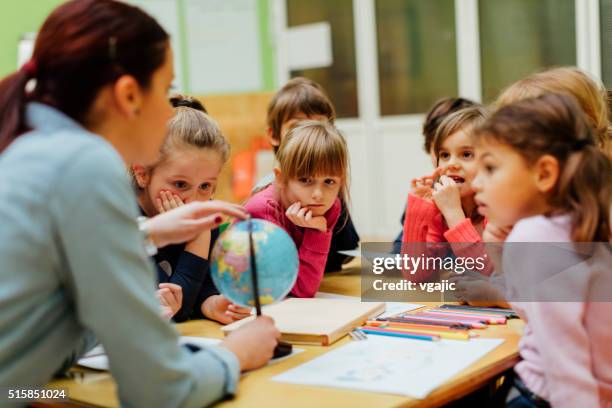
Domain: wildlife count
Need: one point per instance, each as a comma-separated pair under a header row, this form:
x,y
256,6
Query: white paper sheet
x,y
391,308
96,358
355,253
326,295
395,308
309,46
390,365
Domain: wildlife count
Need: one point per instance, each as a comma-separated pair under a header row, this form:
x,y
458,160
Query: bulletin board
x,y
242,118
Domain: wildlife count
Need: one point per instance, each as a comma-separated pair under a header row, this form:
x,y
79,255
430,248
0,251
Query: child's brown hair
x,y
588,92
313,148
465,120
190,126
440,110
553,124
299,95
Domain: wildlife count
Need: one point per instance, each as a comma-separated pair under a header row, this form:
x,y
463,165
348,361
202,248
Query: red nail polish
x,y
218,219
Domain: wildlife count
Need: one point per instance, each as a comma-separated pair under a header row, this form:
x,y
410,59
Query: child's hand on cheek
x,y
447,197
302,217
167,201
219,308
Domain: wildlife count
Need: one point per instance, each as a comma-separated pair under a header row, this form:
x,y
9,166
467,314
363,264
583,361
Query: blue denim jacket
x,y
73,264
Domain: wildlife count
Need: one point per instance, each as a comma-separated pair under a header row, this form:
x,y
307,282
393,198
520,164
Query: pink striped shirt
x,y
313,245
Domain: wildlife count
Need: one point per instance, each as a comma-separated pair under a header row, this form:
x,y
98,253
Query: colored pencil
x,y
473,317
470,323
469,312
460,335
416,326
509,313
397,333
442,323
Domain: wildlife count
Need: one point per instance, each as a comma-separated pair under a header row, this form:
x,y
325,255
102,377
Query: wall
x,y
19,17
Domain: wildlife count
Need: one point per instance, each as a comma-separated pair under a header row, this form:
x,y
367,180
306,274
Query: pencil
x,y
421,317
470,312
395,333
427,322
443,334
509,313
417,326
468,316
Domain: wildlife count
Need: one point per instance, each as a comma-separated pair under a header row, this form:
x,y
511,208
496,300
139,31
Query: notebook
x,y
316,321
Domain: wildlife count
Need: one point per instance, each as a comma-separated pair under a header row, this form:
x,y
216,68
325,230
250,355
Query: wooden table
x,y
90,388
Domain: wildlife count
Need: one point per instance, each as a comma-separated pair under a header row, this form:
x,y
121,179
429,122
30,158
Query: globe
x,y
275,255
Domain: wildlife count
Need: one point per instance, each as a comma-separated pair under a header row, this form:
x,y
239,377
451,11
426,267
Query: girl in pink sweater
x,y
304,198
540,170
441,207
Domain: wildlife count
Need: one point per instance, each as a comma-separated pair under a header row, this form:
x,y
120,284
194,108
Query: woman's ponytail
x,y
12,103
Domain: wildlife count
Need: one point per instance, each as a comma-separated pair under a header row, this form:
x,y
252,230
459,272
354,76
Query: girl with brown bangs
x,y
299,99
444,210
304,199
93,99
541,171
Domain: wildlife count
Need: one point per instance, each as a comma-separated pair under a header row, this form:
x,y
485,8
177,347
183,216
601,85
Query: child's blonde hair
x,y
590,94
555,125
190,126
314,148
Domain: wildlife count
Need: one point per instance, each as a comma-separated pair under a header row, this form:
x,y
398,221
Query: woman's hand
x,y
302,217
170,298
219,308
447,197
186,222
253,343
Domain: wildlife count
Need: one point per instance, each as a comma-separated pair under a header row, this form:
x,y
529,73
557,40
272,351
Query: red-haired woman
x,y
73,266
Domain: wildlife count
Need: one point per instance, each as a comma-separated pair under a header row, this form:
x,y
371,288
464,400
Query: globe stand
x,y
282,349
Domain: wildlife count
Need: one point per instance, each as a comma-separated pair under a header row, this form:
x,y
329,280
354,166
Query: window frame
x,y
469,78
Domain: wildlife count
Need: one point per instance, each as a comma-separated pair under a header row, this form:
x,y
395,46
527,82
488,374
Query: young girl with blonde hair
x,y
74,268
187,169
304,199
